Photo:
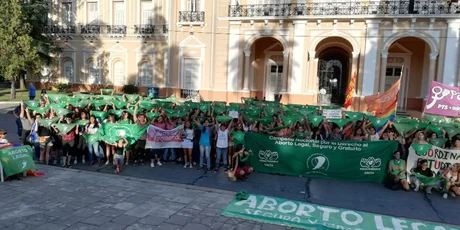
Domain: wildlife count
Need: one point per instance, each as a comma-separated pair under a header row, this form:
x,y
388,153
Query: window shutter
x,y
92,13
119,73
147,13
192,73
68,71
119,13
67,14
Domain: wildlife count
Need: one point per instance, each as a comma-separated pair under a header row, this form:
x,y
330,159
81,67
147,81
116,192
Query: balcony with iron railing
x,y
60,29
90,29
191,17
116,29
393,7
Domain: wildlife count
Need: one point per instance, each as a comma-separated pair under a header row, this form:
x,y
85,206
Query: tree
x,y
35,13
16,50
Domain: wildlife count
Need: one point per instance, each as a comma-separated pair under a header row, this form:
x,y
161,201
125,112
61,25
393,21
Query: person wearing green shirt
x,y
397,170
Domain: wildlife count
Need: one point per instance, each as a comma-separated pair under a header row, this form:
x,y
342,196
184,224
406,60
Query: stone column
x,y
451,54
354,65
311,71
233,56
432,67
285,70
383,71
247,65
297,60
370,62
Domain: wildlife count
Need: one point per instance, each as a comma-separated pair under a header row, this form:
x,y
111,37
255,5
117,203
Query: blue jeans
x,y
37,150
204,149
94,148
19,124
173,154
221,152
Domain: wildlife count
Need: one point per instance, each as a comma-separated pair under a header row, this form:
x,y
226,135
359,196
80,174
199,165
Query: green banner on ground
x,y
346,160
17,159
311,216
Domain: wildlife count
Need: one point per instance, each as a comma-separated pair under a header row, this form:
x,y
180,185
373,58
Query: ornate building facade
x,y
284,50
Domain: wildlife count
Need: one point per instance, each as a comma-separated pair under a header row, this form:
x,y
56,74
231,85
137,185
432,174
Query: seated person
x,y
241,170
423,169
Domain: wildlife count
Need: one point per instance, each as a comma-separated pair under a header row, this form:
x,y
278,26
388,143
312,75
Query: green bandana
x,y
83,96
100,115
434,118
40,110
64,128
47,122
238,137
252,110
354,115
315,120
421,149
377,122
117,112
403,128
61,111
340,122
436,129
242,195
33,103
57,106
223,119
219,110
81,122
92,138
132,97
248,118
56,97
438,142
265,120
152,116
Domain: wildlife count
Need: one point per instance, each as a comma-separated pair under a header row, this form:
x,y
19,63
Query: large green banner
x,y
17,159
312,216
347,160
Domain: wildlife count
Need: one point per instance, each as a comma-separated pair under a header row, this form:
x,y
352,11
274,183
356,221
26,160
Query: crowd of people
x,y
212,134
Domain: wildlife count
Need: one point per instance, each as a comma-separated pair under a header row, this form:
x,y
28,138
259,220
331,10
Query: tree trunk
x,y
13,88
22,82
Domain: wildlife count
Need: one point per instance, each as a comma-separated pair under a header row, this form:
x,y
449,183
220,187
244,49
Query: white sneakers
x,y
159,163
83,161
152,165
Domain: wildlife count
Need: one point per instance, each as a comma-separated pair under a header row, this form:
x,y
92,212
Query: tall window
x,y
68,17
119,73
146,74
147,13
93,13
119,13
193,5
93,74
68,71
192,73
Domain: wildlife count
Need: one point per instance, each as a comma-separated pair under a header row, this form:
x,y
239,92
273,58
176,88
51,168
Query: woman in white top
x,y
222,145
452,181
187,143
91,128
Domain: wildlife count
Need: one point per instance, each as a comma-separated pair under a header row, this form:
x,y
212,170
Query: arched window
x,y
119,73
68,71
93,73
146,74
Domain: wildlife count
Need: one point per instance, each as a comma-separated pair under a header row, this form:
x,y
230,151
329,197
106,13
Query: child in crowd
x,y
119,156
3,139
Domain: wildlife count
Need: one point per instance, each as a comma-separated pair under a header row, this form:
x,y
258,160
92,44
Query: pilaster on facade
x,y
370,63
233,56
451,52
298,56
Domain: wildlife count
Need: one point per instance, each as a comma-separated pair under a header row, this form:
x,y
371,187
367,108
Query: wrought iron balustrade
x,y
393,7
191,16
60,29
90,29
116,29
144,29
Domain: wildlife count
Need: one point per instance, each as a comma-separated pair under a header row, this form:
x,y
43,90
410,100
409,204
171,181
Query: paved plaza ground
x,y
366,197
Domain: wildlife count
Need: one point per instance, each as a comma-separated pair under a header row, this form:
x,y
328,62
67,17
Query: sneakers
x,y
159,163
152,165
75,162
444,196
190,166
107,162
185,166
452,194
416,188
83,161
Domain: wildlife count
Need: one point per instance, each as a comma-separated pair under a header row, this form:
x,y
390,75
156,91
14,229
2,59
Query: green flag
x,y
238,137
403,128
98,103
148,105
289,120
248,118
271,110
47,122
428,180
354,115
434,118
100,115
152,115
40,110
436,129
92,138
132,97
192,105
220,103
83,96
56,97
219,110
265,120
107,98
439,142
64,128
223,119
315,120
421,149
110,139
252,110
81,122
377,122
204,107
117,112
340,122
61,111
70,99
452,130
419,125
306,111
400,120
54,106
123,130
80,104
32,103
16,160
118,97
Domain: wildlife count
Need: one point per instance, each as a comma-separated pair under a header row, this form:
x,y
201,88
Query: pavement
x,y
75,200
367,197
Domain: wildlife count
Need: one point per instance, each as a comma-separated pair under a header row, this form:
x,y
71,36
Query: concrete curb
x,y
9,102
130,178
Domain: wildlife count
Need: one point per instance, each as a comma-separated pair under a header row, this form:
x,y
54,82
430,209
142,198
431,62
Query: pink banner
x,y
443,100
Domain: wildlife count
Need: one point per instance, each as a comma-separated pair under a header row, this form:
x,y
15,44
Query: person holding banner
x,y
205,142
68,140
397,171
118,157
451,180
92,128
222,145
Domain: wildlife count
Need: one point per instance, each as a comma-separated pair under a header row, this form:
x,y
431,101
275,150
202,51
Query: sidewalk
x,y
72,199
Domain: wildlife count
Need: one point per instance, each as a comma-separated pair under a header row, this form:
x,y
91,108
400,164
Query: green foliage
x,y
130,89
16,45
62,87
